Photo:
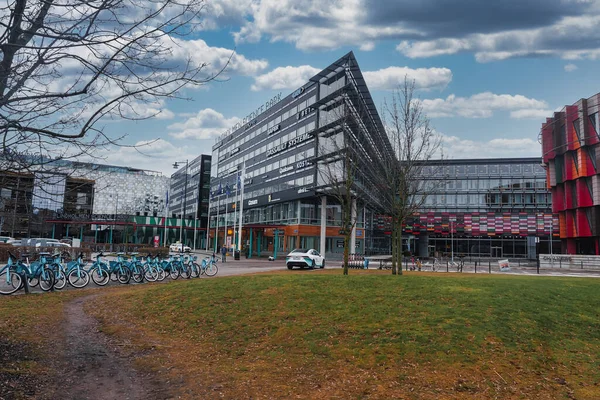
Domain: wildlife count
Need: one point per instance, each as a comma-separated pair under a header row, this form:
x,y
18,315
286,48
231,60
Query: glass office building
x,y
483,208
276,154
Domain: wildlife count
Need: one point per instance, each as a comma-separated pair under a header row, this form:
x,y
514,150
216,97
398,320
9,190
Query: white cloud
x,y
570,67
554,40
316,24
481,105
207,124
384,79
284,78
216,58
457,148
154,155
540,114
425,78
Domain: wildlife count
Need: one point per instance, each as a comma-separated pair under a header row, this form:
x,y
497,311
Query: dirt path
x,y
93,368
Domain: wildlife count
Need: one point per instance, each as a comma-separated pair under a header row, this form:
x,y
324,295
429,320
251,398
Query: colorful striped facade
x,y
571,150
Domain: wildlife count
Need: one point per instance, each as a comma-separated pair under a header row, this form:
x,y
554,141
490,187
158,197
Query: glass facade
x,y
197,192
481,208
276,153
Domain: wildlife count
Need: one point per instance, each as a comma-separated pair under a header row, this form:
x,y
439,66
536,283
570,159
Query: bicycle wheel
x,y
161,274
137,273
60,280
78,278
195,270
100,275
173,271
185,271
211,269
33,281
150,273
10,282
46,278
123,275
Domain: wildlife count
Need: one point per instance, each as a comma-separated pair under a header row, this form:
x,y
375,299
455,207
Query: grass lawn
x,y
29,337
320,335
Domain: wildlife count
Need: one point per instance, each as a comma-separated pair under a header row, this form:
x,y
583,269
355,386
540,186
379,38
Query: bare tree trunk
x,y
394,248
398,230
346,253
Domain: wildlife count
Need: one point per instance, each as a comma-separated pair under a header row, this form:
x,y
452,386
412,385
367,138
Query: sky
x,y
487,73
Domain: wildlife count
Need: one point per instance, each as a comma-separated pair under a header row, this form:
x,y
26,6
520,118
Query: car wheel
x,y
312,264
323,264
290,267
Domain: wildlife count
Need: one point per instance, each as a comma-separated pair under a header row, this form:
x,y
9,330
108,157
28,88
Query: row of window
x,y
502,184
292,160
486,200
277,187
451,171
268,143
247,136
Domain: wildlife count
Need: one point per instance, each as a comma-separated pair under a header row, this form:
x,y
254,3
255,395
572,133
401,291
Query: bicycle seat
x,y
101,254
11,255
120,254
44,253
134,254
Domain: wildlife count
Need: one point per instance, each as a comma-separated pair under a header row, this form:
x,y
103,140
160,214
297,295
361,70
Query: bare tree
x,y
348,166
337,171
414,143
67,66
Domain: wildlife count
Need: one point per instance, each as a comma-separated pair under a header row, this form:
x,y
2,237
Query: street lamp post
x,y
183,202
452,237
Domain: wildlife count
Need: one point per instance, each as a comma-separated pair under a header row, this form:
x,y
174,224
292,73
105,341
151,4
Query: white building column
x,y
323,224
353,234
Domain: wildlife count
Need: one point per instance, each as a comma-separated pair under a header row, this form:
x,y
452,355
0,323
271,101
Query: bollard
x,y
538,264
25,282
490,267
559,262
446,266
581,264
475,266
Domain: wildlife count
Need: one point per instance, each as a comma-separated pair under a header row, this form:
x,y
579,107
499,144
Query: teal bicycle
x,y
99,271
10,280
77,276
209,266
11,276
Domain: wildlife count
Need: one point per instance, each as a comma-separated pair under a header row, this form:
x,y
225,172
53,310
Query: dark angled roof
x,y
348,61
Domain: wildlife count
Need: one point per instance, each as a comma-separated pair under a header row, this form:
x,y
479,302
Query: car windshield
x,y
300,250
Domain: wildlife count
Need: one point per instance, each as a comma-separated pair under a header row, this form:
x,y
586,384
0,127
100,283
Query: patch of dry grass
x,y
319,335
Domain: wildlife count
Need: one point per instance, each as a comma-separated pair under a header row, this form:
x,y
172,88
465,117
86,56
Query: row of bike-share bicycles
x,y
51,272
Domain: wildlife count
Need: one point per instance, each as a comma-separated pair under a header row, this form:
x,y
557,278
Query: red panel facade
x,y
569,142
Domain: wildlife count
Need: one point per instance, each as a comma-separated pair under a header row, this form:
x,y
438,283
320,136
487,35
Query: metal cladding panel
x,y
571,115
583,224
584,197
570,200
571,224
558,198
596,190
551,174
595,220
547,141
559,133
562,224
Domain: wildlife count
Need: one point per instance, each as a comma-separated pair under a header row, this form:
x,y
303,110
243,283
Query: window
x,y
592,154
595,120
577,128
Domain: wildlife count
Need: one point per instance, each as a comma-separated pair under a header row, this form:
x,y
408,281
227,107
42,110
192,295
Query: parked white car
x,y
176,247
309,258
